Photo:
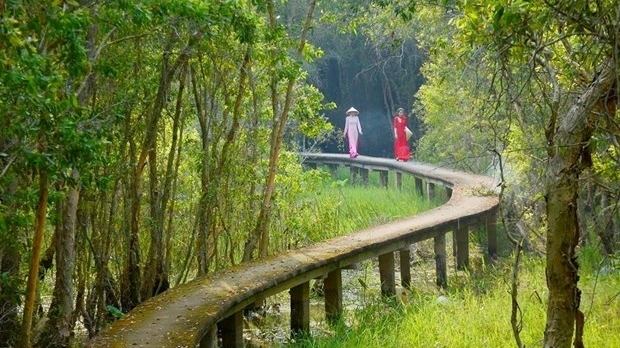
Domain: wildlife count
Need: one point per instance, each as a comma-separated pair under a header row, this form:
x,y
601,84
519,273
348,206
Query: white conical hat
x,y
352,110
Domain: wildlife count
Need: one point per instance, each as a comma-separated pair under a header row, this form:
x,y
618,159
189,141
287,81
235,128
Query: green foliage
x,y
117,313
79,82
499,75
11,289
311,124
45,62
455,133
605,160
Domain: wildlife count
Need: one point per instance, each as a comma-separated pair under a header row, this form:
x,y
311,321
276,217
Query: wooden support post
x,y
491,223
232,330
399,180
431,190
209,340
332,285
300,309
419,186
405,268
383,178
364,176
462,248
441,268
454,242
333,168
386,274
354,175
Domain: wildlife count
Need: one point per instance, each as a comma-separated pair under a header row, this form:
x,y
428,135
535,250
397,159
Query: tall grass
x,y
338,207
475,312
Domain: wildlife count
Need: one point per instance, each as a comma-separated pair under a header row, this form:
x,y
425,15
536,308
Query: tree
x,y
39,83
557,62
569,155
280,110
100,101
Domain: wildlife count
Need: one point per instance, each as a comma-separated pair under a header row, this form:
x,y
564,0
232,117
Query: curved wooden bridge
x,y
190,315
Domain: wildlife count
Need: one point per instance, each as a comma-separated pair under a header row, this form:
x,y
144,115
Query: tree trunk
x,y
103,286
215,161
260,235
155,227
155,275
31,286
605,223
568,154
132,277
203,216
59,326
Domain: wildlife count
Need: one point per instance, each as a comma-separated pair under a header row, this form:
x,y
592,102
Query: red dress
x,y
401,144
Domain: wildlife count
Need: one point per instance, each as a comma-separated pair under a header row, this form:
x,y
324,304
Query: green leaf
x,y
117,313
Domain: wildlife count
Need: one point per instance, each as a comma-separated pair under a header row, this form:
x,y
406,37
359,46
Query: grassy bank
x,y
475,311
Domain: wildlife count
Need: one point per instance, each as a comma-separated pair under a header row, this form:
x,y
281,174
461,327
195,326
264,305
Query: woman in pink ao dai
x,y
352,130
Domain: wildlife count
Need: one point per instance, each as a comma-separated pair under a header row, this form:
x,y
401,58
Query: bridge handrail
x,y
187,315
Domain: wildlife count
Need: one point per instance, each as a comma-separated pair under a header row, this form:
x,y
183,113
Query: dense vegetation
x,y
144,143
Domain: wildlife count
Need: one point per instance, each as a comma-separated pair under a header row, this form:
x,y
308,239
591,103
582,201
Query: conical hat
x,y
352,110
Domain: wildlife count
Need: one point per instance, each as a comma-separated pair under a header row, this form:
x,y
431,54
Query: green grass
x,y
475,312
339,207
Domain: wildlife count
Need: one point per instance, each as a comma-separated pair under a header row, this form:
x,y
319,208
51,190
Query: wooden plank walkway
x,y
189,315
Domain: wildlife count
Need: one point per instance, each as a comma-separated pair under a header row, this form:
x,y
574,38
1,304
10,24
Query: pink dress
x,y
352,130
401,144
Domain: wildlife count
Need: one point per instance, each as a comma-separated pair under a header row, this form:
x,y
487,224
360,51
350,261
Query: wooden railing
x,y
191,314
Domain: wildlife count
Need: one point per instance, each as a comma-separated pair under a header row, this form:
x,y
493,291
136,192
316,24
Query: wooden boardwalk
x,y
191,314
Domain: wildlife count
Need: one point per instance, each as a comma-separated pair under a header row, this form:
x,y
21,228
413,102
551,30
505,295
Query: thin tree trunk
x,y
31,286
215,161
605,223
151,264
202,210
104,283
130,286
260,235
155,279
59,326
133,277
130,279
162,278
568,154
182,273
125,190
172,207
